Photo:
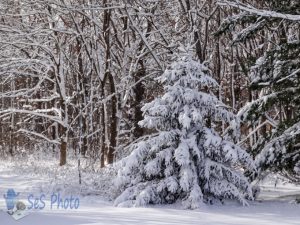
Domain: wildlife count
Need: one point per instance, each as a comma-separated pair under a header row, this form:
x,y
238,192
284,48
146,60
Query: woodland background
x,y
74,74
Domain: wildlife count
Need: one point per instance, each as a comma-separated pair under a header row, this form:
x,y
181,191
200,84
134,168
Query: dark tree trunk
x,y
139,91
63,153
109,83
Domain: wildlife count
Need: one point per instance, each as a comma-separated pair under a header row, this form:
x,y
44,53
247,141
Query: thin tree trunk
x,y
109,81
63,153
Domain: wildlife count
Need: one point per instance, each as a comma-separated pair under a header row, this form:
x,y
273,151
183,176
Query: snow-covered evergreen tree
x,y
274,78
279,69
186,158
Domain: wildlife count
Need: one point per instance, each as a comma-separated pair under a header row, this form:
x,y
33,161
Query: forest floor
x,y
273,208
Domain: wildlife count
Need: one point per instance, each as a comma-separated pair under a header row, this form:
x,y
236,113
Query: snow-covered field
x,y
274,207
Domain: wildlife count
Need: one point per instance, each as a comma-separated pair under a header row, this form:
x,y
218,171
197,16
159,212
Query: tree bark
x,y
63,153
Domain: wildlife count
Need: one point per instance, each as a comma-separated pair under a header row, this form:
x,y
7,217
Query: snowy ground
x,y
275,209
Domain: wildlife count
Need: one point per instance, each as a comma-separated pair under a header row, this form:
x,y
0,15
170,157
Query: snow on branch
x,y
259,12
39,113
144,40
277,147
38,135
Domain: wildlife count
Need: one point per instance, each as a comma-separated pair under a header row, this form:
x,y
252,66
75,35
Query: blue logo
x,y
56,202
18,209
11,199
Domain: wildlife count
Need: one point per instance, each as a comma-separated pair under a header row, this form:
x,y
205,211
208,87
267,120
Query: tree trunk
x,y
63,153
139,91
102,132
113,123
111,89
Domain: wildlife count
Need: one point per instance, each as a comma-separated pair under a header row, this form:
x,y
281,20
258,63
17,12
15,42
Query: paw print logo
x,y
11,199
